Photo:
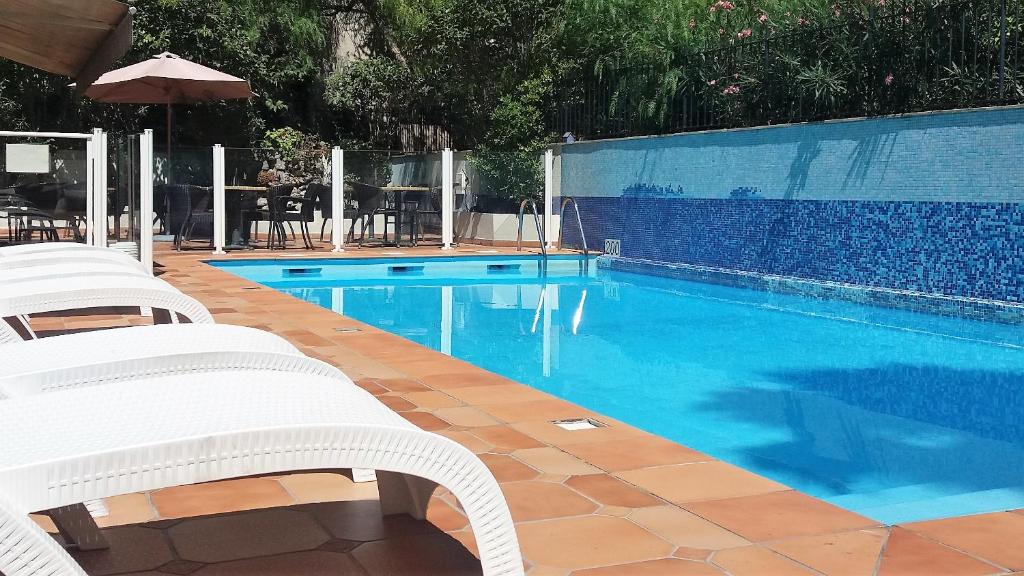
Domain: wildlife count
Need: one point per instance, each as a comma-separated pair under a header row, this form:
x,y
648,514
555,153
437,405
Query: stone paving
x,y
607,501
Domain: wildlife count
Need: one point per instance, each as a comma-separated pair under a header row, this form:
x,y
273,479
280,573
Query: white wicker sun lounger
x,y
50,295
181,430
52,248
93,358
75,269
63,253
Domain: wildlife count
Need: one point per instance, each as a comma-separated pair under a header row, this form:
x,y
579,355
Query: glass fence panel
x,y
275,200
124,226
43,189
183,195
393,198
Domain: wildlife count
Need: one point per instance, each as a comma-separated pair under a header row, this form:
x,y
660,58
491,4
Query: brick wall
x,y
925,202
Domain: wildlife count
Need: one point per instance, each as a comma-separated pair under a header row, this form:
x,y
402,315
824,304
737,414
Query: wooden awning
x,y
77,38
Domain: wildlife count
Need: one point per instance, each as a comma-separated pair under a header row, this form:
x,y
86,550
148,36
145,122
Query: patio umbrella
x,y
77,38
167,79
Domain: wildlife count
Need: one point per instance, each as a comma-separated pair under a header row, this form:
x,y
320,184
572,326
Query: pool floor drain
x,y
573,424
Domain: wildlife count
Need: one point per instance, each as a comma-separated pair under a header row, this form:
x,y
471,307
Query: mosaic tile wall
x,y
935,211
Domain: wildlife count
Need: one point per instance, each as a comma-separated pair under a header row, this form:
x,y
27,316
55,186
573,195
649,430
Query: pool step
x,y
302,272
924,501
503,268
406,269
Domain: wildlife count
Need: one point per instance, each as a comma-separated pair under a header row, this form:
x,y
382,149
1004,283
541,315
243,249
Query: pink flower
x,y
745,33
803,22
734,89
889,78
712,82
723,5
693,23
763,18
712,9
721,31
881,2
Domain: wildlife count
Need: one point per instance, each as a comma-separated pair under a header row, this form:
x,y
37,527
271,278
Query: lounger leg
x,y
78,528
25,549
404,494
20,326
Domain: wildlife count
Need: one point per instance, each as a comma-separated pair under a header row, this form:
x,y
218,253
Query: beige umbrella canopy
x,y
77,38
167,79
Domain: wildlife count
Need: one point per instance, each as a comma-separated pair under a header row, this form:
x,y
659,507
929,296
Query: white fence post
x,y
96,195
447,198
100,203
90,184
549,188
337,199
218,199
146,199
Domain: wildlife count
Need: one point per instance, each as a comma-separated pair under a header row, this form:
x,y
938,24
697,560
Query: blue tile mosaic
x,y
962,249
976,308
927,203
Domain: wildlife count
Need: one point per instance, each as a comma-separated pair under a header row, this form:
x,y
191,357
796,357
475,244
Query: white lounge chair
x,y
20,299
93,358
63,253
180,430
51,248
72,269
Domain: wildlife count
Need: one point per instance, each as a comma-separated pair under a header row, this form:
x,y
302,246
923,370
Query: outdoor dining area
x,y
262,209
104,188
270,207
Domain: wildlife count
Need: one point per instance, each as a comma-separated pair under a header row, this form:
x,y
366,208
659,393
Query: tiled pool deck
x,y
607,501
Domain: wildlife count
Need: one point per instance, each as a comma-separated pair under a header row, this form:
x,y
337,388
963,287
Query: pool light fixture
x,y
574,424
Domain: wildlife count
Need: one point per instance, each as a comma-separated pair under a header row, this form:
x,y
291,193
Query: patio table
x,y
400,192
234,216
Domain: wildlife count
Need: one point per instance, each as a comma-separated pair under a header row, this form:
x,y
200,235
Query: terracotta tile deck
x,y
610,501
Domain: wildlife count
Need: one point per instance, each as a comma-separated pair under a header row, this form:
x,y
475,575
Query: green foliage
x,y
717,63
493,73
279,46
373,94
305,156
509,157
468,54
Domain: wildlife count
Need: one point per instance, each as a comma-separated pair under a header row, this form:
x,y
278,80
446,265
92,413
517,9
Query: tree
x,y
279,46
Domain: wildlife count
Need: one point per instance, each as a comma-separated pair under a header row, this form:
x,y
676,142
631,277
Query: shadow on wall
x,y
698,160
904,424
796,180
866,154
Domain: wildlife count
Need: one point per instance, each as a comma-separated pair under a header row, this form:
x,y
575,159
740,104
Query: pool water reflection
x,y
896,415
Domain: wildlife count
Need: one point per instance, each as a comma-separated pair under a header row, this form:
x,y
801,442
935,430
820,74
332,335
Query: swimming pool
x,y
896,415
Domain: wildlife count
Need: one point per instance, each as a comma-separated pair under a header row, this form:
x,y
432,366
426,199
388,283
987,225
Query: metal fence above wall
x,y
898,57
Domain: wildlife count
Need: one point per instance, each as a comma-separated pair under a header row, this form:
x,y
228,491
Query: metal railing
x,y
909,56
579,222
536,221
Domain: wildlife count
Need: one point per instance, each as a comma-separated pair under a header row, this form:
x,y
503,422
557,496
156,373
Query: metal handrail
x,y
536,220
579,222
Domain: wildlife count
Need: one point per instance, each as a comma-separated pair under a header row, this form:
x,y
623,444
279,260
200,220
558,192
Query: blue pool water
x,y
896,415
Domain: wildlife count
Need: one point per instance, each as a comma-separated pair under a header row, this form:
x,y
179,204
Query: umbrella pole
x,y
169,112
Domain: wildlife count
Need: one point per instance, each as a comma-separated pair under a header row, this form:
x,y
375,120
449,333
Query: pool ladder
x,y
536,221
579,223
561,227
